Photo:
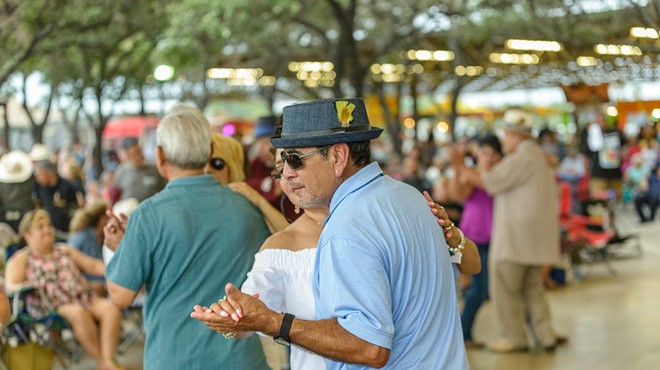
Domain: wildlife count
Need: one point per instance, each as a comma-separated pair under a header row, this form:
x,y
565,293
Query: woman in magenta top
x,y
476,223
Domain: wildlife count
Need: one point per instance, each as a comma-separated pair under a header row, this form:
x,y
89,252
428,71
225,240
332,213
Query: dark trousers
x,y
648,200
476,294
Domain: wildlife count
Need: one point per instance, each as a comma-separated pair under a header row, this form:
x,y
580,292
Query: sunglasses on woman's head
x,y
217,163
295,160
276,174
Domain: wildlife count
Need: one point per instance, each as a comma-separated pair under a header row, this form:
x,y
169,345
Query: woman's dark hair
x,y
277,133
493,142
278,126
545,132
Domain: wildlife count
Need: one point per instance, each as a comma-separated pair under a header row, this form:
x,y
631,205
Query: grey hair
x,y
185,136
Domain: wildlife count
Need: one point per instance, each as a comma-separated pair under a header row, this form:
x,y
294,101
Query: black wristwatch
x,y
282,336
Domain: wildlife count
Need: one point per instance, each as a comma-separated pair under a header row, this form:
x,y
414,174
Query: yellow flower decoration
x,y
344,112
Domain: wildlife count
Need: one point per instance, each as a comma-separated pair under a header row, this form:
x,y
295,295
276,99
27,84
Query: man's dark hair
x,y
45,165
360,152
129,142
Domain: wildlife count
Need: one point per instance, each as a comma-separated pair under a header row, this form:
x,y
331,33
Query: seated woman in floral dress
x,y
58,270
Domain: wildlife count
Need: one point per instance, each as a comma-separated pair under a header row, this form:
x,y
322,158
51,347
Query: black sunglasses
x,y
295,160
217,163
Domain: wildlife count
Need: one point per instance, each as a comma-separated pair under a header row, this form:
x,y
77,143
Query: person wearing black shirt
x,y
55,194
602,146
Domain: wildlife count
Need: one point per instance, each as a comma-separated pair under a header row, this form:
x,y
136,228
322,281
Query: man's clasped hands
x,y
236,315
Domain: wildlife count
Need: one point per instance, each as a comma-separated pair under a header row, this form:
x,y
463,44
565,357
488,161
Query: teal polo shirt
x,y
184,244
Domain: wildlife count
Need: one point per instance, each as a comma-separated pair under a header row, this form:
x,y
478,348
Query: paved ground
x,y
612,321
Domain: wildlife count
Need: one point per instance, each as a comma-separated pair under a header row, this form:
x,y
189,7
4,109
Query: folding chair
x,y
50,331
606,202
584,238
132,327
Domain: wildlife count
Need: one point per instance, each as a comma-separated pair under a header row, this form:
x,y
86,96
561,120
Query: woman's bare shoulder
x,y
301,234
19,258
280,240
20,254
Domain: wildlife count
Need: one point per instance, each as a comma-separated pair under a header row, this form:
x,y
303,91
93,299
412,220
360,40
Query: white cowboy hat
x,y
39,152
15,167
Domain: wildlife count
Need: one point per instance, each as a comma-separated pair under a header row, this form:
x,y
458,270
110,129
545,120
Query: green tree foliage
x,y
91,52
25,26
269,34
104,67
97,52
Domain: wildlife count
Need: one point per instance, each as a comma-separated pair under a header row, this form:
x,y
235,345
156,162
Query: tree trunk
x,y
268,93
38,134
453,114
98,151
413,94
141,97
340,68
206,96
391,118
37,127
98,131
6,133
358,78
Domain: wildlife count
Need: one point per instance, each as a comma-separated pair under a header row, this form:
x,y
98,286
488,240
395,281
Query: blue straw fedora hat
x,y
325,122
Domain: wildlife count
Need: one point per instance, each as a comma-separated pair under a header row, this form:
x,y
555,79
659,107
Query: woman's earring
x,y
296,209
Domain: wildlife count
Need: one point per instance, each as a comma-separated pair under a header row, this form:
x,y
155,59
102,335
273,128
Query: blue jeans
x,y
476,294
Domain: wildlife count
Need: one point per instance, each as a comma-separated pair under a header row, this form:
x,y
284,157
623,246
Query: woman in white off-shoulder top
x,y
283,268
282,275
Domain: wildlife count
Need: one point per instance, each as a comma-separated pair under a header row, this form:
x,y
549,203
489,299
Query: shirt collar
x,y
191,180
354,183
524,144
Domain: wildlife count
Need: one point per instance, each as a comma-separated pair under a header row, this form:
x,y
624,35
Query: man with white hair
x,y
183,244
525,235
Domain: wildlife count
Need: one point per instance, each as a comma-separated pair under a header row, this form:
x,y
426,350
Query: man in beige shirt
x,y
525,235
